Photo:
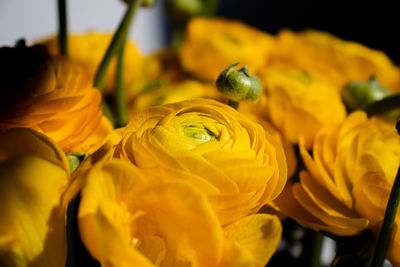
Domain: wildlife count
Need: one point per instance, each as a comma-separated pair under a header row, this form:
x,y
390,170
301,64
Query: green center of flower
x,y
198,133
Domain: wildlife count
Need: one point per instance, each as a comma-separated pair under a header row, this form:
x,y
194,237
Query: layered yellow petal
x,y
212,146
161,223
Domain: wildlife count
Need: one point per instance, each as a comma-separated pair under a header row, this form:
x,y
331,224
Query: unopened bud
x,y
238,85
358,95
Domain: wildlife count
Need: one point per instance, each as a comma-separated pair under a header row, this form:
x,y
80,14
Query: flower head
x,y
126,218
348,178
212,44
333,59
51,95
297,103
212,146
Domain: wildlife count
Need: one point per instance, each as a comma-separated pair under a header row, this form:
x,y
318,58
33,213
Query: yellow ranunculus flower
x,y
173,92
338,61
298,104
126,219
34,173
220,151
211,45
88,50
348,179
51,95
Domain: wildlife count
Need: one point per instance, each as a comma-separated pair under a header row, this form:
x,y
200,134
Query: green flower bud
x,y
182,10
358,95
238,85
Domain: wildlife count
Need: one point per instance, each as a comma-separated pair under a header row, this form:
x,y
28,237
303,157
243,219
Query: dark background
x,y
374,24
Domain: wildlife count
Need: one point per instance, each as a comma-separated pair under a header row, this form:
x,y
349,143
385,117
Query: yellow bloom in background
x,y
126,219
298,104
211,45
158,69
220,151
334,59
88,50
173,92
348,179
34,173
53,96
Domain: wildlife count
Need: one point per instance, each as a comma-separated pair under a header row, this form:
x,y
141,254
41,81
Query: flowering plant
x,y
211,152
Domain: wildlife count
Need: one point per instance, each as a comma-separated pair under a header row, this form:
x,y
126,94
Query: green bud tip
x,y
358,95
182,10
238,85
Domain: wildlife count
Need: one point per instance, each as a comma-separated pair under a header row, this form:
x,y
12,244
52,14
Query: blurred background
x,y
372,24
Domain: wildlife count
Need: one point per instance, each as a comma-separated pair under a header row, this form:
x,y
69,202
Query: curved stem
x,y
388,223
120,90
115,44
62,28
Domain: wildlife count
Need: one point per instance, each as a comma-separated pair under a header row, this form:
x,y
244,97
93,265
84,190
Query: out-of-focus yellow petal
x,y
168,224
211,45
333,59
88,49
258,235
19,141
52,95
32,225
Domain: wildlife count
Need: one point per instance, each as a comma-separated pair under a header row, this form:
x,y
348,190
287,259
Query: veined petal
x,y
32,226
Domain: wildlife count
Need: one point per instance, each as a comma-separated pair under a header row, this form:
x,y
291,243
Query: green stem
x,y
120,90
233,104
62,28
388,223
210,8
384,105
115,44
107,112
312,247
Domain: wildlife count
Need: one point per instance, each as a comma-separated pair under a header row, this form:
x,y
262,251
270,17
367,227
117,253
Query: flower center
x,y
198,133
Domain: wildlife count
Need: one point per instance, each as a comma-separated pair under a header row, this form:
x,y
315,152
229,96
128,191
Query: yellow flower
x,y
348,179
211,45
34,174
126,219
209,144
298,104
53,96
173,92
88,50
338,61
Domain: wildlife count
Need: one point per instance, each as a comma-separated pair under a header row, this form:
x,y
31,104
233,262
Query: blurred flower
x,y
126,219
348,179
51,95
210,45
34,174
298,104
173,92
88,50
338,61
215,148
158,69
